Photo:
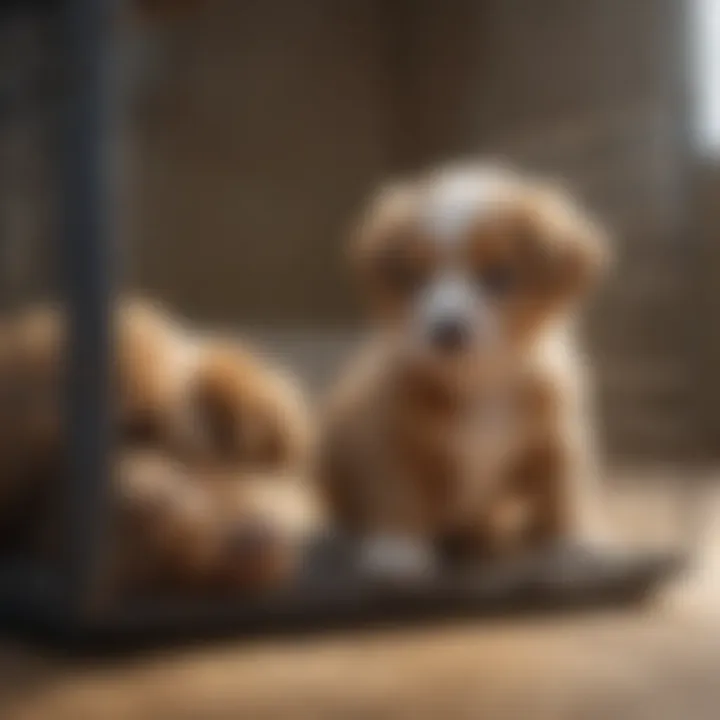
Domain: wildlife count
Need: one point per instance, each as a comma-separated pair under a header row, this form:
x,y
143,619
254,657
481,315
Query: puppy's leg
x,y
395,542
561,483
364,500
556,466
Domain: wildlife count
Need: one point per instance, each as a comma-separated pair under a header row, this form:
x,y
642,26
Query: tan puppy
x,y
464,420
207,406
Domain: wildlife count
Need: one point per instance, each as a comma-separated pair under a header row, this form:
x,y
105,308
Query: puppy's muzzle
x,y
450,334
453,316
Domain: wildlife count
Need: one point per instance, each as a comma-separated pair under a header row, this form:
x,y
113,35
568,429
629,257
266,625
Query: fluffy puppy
x,y
213,406
463,422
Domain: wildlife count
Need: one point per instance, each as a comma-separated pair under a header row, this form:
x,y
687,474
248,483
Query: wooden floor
x,y
657,662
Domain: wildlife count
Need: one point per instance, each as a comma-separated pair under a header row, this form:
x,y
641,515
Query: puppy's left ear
x,y
573,247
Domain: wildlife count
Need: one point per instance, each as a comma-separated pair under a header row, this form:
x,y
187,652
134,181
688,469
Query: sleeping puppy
x,y
463,423
207,404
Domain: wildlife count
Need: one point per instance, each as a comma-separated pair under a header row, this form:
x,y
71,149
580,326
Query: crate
x,y
65,604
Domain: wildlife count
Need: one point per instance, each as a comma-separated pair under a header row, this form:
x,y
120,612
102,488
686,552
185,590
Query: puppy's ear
x,y
220,400
572,251
246,412
387,216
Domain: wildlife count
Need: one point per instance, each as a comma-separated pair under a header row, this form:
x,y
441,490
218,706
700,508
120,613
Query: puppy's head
x,y
473,261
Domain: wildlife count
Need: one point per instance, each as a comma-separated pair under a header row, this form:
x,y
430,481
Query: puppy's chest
x,y
453,457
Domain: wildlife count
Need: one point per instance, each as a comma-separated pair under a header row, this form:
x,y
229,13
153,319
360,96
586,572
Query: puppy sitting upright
x,y
463,423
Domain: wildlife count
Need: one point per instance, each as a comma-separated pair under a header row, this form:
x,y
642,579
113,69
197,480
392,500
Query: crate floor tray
x,y
329,596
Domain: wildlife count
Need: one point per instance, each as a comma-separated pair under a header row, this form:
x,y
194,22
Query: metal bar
x,y
87,255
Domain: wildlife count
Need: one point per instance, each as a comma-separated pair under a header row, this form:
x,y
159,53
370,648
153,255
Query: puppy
x,y
464,423
208,404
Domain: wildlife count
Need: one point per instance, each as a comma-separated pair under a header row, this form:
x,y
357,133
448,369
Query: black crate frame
x,y
67,605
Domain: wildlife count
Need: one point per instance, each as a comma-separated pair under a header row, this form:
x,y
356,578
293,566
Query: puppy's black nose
x,y
449,335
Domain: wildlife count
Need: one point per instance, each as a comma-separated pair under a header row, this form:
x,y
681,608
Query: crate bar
x,y
87,256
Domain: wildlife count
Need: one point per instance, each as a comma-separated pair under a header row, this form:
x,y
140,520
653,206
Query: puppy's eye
x,y
497,280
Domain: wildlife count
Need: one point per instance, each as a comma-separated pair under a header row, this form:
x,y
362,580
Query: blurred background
x,y
248,135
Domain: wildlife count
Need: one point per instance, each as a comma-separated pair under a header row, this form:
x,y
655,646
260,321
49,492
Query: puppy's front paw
x,y
397,558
